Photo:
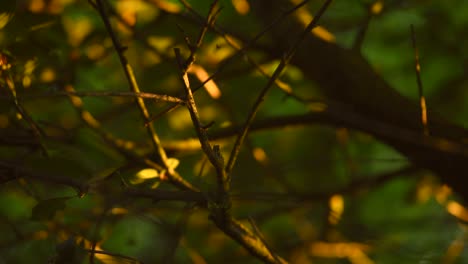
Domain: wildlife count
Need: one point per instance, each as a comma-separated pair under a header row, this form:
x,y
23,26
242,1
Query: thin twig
x,y
373,9
422,99
359,40
102,252
251,242
213,155
171,173
210,20
219,210
227,61
132,83
243,51
119,144
259,234
156,97
215,160
286,59
37,132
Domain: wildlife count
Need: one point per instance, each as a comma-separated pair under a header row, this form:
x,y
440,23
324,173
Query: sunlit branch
x,y
131,81
372,10
215,160
422,100
121,146
286,59
153,96
259,234
209,22
172,175
240,52
116,255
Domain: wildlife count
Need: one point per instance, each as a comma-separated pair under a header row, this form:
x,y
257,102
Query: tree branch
x,y
261,97
345,76
131,81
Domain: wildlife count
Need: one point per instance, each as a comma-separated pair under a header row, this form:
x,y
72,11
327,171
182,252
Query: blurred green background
x,y
313,191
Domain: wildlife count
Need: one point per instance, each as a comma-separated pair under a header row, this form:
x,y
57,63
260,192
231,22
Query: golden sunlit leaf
x,y
336,204
172,163
47,75
127,10
319,31
36,6
284,86
95,51
160,43
242,6
86,115
377,7
119,211
168,6
218,49
337,250
422,103
457,210
324,34
147,174
77,29
259,154
4,19
133,10
202,76
29,67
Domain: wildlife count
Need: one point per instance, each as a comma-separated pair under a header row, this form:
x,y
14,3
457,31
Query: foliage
x,y
107,157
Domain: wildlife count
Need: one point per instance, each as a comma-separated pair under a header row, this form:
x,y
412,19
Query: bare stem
x,y
261,97
241,51
422,99
153,96
132,82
